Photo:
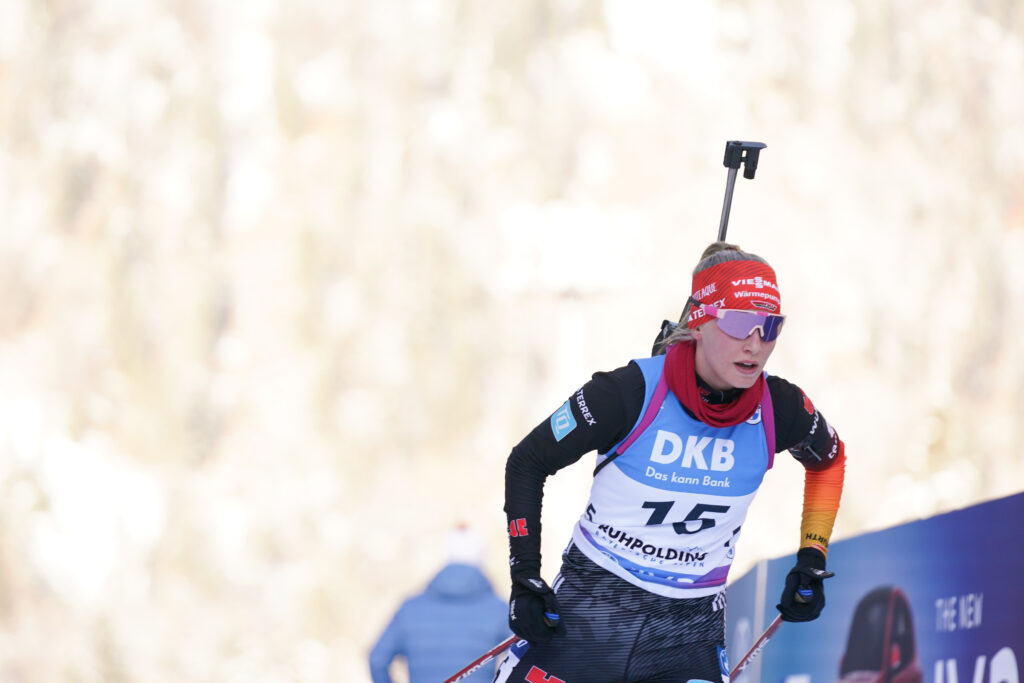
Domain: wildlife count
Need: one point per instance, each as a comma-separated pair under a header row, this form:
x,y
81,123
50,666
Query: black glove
x,y
803,598
533,609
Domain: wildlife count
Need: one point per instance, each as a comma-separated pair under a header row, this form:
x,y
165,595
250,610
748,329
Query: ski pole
x,y
737,152
756,648
803,594
475,665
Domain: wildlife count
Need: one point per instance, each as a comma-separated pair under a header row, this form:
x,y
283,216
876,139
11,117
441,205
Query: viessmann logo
x,y
758,282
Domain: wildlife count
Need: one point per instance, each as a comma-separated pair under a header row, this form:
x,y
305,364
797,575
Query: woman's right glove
x,y
533,608
803,597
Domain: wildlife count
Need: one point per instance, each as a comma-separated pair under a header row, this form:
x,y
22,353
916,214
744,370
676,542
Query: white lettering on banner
x,y
970,610
945,614
668,446
958,612
1002,668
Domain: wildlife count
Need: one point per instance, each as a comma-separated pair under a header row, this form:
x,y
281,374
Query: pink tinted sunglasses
x,y
741,324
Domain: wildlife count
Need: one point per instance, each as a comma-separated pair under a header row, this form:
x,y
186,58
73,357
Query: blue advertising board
x,y
940,600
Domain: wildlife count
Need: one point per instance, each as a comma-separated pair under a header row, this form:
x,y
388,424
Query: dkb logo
x,y
669,446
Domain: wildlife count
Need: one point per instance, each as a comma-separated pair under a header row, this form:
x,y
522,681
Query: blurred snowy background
x,y
283,283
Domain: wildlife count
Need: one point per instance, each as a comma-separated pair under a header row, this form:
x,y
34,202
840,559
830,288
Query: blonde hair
x,y
716,252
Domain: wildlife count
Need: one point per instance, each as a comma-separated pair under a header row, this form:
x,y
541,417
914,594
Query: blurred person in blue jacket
x,y
456,618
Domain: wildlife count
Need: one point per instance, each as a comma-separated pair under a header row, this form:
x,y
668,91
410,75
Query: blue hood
x,y
458,581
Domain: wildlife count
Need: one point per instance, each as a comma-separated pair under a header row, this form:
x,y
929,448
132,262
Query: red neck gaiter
x,y
681,375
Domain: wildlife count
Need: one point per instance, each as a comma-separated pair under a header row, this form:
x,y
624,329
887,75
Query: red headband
x,y
744,285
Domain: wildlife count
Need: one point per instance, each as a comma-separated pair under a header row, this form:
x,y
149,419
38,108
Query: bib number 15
x,y
696,520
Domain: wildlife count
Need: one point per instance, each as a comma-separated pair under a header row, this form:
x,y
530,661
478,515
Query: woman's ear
x,y
696,333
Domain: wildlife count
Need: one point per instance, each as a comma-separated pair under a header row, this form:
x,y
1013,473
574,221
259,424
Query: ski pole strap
x,y
660,392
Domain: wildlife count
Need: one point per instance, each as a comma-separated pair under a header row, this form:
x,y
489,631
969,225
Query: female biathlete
x,y
683,441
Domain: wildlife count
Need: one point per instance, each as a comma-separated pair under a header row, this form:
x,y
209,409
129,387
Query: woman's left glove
x,y
803,598
533,609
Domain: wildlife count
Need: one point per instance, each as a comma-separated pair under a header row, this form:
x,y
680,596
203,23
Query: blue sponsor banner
x,y
939,600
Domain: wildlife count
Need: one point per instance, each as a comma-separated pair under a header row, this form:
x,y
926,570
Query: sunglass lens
x,y
772,327
740,324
